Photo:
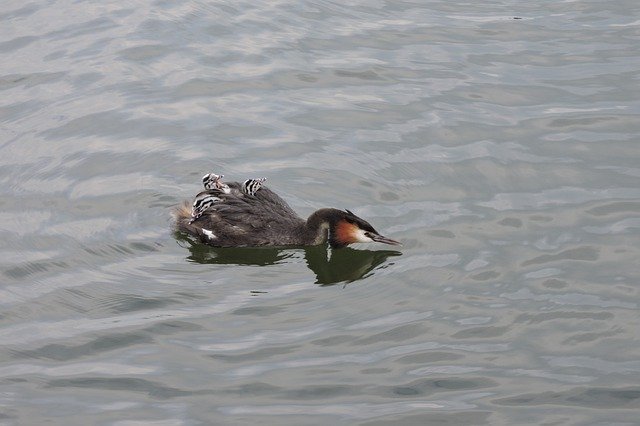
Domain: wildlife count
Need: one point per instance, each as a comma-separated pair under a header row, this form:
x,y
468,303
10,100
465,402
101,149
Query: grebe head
x,y
346,228
201,204
251,186
214,181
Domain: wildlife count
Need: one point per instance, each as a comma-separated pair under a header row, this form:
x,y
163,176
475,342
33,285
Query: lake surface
x,y
498,141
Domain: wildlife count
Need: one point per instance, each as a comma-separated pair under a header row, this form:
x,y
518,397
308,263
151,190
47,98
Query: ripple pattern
x,y
497,141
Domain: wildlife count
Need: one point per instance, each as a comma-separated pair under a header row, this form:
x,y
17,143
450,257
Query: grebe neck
x,y
319,225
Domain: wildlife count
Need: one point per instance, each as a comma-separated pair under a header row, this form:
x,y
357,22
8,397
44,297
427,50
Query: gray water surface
x,y
498,141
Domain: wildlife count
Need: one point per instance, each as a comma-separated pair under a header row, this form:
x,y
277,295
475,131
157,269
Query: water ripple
x,y
497,141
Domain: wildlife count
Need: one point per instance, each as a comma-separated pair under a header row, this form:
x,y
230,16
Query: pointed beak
x,y
380,239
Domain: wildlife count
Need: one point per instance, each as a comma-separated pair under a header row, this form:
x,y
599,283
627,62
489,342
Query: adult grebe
x,y
250,215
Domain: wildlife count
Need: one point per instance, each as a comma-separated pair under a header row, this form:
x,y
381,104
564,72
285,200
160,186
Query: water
x,y
503,152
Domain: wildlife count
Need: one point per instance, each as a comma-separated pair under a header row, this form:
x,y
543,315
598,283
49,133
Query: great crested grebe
x,y
249,214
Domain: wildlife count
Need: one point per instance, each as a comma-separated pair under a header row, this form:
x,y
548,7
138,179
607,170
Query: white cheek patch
x,y
361,237
209,234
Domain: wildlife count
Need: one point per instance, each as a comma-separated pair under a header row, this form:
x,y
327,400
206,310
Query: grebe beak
x,y
380,239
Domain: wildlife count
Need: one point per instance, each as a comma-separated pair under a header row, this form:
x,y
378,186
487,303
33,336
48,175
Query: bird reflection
x,y
346,264
330,266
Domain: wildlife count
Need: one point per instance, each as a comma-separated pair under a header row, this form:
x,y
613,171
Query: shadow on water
x,y
331,266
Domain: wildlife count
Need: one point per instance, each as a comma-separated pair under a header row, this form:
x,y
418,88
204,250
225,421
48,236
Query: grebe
x,y
251,215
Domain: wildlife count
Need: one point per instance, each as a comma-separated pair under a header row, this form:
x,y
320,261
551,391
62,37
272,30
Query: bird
x,y
249,214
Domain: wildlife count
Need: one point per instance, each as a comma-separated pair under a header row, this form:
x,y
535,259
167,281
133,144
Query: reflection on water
x,y
258,256
331,266
347,264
